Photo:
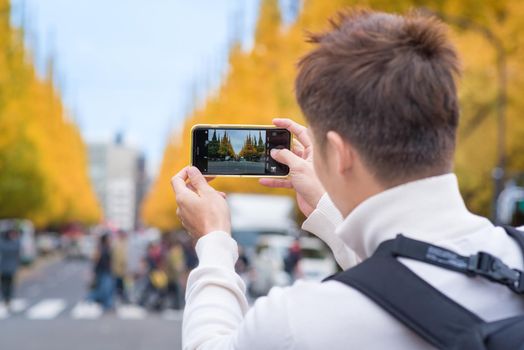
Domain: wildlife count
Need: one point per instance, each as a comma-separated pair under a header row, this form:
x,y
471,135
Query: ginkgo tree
x,y
43,162
259,86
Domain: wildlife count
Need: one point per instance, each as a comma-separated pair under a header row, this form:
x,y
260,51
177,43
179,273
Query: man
x,y
9,262
294,254
175,267
103,283
379,94
119,265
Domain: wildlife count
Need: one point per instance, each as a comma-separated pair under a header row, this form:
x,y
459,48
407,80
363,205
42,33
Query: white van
x,y
316,262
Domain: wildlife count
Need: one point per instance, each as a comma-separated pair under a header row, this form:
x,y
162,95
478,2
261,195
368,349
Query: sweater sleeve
x,y
216,314
323,222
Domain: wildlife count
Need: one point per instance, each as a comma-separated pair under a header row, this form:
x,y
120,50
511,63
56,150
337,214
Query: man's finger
x,y
179,181
286,157
208,179
295,128
275,183
197,180
297,148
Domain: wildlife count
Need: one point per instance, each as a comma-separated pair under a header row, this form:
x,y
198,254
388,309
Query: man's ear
x,y
342,152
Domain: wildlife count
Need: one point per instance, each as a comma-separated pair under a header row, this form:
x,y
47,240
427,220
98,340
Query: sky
x,y
135,65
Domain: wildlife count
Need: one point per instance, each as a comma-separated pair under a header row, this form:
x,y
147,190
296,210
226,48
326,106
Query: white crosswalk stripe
x,y
86,311
46,309
49,309
18,305
3,312
131,312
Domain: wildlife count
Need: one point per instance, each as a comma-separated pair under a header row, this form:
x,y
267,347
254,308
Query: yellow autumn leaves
x,y
43,164
260,86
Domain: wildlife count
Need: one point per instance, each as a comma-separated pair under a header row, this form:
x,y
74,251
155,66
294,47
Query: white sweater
x,y
310,315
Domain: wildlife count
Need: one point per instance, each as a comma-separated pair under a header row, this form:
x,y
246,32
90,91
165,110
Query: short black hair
x,y
386,84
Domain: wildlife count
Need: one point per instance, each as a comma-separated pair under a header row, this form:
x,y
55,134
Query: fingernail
x,y
192,170
274,152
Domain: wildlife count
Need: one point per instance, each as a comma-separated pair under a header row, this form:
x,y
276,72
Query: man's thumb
x,y
197,179
284,156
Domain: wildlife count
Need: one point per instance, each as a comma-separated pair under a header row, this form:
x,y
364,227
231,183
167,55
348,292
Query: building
x,y
118,175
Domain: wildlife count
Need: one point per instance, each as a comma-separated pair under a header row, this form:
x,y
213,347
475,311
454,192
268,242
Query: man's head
x,y
379,94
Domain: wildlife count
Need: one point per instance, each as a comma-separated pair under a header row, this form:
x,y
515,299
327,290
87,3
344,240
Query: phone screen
x,y
239,150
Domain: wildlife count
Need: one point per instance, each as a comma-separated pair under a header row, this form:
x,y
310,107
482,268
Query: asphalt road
x,y
234,167
49,313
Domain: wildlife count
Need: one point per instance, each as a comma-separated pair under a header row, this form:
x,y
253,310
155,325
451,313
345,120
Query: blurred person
x,y
190,254
103,282
153,255
244,270
242,265
119,265
155,287
294,254
175,269
159,283
150,261
191,258
9,262
155,292
379,94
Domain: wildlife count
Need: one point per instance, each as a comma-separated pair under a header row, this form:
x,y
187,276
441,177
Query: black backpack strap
x,y
481,264
410,299
518,236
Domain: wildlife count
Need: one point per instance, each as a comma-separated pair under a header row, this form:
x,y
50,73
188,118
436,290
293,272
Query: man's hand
x,y
201,208
302,176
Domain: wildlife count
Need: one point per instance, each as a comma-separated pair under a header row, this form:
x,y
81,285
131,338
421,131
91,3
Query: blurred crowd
x,y
150,269
157,283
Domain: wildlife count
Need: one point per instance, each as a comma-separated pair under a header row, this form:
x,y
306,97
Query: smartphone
x,y
238,150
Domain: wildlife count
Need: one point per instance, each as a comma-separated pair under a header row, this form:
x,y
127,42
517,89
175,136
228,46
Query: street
x,y
49,313
234,167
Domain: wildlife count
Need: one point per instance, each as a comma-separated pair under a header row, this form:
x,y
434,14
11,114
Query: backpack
x,y
432,315
158,279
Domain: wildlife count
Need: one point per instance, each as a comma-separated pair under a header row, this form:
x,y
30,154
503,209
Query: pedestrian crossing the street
x,y
55,308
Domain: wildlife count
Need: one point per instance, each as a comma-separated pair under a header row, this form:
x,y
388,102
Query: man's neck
x,y
354,191
428,209
357,190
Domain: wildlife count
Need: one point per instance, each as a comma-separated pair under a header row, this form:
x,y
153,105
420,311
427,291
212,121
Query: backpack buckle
x,y
494,269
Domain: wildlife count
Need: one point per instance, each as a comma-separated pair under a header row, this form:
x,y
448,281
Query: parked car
x,y
317,262
47,242
79,246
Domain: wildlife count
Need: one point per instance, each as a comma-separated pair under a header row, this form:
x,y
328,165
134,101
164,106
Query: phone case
x,y
238,126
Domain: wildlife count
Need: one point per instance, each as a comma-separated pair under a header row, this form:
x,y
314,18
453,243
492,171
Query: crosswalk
x,y
54,308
